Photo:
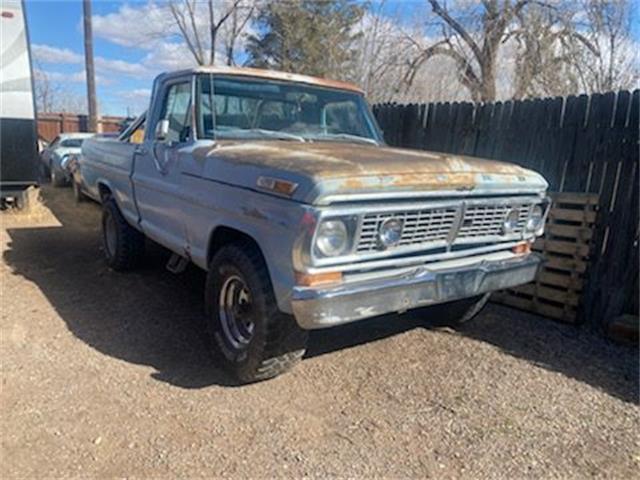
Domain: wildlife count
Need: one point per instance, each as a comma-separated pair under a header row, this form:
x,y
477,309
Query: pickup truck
x,y
281,188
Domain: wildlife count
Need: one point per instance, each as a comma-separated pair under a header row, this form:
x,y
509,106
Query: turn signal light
x,y
522,248
314,279
277,185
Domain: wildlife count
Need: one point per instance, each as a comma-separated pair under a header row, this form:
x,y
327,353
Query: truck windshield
x,y
232,107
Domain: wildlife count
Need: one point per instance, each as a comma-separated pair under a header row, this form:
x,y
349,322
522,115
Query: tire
x,y
123,245
265,342
57,178
77,192
456,312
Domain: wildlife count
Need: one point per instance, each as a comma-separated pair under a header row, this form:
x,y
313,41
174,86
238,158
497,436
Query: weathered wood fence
x,y
579,143
50,125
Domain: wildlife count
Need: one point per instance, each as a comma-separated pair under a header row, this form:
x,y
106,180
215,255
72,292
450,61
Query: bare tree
x,y
200,27
574,47
54,96
545,39
45,91
608,59
383,49
471,37
233,29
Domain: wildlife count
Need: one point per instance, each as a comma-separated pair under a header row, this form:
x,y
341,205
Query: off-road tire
x,y
456,312
129,242
277,342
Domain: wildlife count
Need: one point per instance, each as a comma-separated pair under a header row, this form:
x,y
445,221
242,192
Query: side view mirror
x,y
162,130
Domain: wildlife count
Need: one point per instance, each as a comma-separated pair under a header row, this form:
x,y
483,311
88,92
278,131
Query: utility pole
x,y
88,59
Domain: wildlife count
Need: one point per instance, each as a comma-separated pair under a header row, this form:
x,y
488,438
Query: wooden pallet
x,y
565,246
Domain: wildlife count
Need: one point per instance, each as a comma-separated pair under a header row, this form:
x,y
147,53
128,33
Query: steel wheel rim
x,y
235,312
110,236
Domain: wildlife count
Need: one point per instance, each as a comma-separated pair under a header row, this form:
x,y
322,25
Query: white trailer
x,y
18,126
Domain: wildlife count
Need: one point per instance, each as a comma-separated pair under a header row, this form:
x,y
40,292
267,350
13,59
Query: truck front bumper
x,y
420,286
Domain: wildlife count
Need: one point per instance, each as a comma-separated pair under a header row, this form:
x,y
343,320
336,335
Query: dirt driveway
x,y
107,375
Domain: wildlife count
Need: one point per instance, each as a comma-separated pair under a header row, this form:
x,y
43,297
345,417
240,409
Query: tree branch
x,y
455,25
181,22
196,36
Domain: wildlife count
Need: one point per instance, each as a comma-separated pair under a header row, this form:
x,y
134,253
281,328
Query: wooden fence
x,y
579,143
50,125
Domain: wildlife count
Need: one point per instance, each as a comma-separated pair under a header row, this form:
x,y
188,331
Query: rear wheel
x,y
123,245
253,339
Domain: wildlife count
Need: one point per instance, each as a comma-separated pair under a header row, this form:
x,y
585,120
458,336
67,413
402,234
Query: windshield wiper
x,y
346,136
240,132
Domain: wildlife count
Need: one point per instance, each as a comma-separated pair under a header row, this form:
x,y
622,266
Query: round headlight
x,y
332,238
511,221
390,232
535,219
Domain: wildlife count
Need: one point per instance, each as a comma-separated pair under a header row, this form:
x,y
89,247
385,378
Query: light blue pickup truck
x,y
281,187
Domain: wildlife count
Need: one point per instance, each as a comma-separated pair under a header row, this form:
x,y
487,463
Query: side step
x,y
177,263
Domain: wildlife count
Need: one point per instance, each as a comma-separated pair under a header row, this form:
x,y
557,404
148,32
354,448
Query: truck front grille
x,y
486,220
433,227
420,226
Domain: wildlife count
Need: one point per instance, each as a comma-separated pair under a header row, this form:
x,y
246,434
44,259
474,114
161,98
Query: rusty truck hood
x,y
327,171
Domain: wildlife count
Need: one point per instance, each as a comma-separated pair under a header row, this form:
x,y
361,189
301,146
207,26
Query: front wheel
x,y
123,245
250,335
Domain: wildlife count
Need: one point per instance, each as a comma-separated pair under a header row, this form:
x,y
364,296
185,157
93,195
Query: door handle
x,y
141,150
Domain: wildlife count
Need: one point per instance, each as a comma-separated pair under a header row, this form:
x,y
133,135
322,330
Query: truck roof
x,y
269,75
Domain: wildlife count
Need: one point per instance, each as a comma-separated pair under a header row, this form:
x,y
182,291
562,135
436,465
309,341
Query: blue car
x,y
57,154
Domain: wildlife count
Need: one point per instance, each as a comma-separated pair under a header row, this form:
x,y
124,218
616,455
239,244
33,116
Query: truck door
x,y
156,176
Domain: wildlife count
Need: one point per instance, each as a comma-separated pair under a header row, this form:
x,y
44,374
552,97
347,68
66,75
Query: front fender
x,y
273,223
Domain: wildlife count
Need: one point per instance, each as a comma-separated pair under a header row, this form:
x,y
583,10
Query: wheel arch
x,y
280,276
105,191
224,235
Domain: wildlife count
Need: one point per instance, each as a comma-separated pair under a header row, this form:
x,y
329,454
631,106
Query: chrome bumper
x,y
421,286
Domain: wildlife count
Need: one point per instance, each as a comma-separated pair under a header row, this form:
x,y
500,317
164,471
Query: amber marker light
x,y
315,279
522,248
277,185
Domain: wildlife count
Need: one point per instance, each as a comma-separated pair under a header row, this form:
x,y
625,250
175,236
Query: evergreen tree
x,y
313,37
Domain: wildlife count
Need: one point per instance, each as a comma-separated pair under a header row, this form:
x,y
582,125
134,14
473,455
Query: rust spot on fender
x,y
353,183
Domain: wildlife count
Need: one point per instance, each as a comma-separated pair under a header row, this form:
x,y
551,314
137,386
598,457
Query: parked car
x,y
280,186
55,156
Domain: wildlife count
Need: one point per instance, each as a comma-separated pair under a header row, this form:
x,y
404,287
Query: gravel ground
x,y
107,375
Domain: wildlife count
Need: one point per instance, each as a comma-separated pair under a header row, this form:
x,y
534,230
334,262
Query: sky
x,y
131,46
125,66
